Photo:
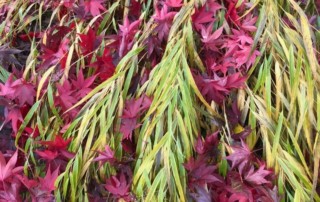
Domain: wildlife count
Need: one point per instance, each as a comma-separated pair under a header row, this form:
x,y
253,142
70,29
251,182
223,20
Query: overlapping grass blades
x,y
283,99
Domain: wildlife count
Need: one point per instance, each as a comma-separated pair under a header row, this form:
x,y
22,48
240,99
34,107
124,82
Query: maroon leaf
x,y
65,98
6,89
47,154
127,33
14,115
200,174
257,177
202,17
163,18
94,7
128,125
133,108
89,42
8,169
52,57
24,92
211,41
47,183
57,144
106,156
118,186
240,157
104,65
82,86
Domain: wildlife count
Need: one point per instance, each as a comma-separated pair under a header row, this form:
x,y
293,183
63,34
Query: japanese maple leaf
x,y
128,125
134,107
11,192
244,56
47,183
6,89
127,33
94,7
57,144
213,6
201,17
211,40
257,177
211,89
24,92
248,23
48,154
104,65
28,183
163,18
199,173
235,81
14,115
65,98
240,157
82,85
8,169
53,57
89,42
118,185
174,3
106,156
232,14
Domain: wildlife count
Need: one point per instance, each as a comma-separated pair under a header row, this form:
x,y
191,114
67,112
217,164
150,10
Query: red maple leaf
x,y
200,174
240,157
118,185
65,98
11,192
128,125
24,92
202,17
53,57
248,23
89,42
244,56
164,19
47,183
57,144
134,107
105,156
9,169
6,89
82,86
14,115
209,39
135,8
258,177
232,14
127,33
48,154
207,145
94,7
104,65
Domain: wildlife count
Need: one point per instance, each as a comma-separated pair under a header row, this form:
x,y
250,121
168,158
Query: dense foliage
x,y
165,100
